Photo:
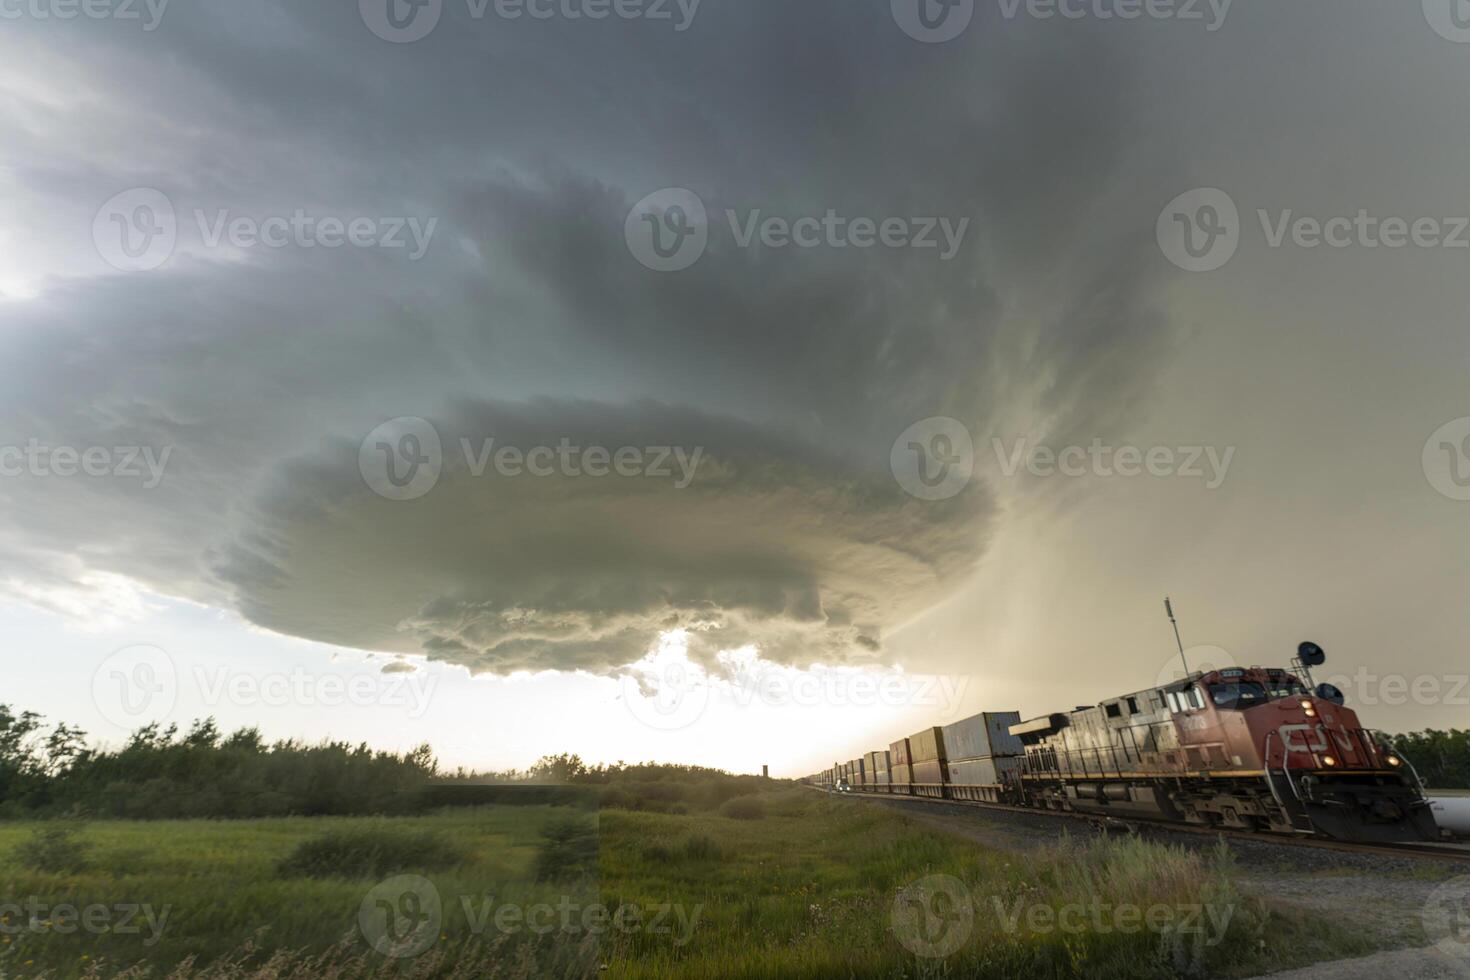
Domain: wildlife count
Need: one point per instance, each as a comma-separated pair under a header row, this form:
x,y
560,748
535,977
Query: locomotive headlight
x,y
1307,707
1329,761
1393,760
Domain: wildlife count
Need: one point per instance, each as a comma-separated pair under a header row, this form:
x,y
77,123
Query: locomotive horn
x,y
1311,654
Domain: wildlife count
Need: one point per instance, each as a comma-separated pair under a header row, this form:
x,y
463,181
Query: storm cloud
x,y
528,320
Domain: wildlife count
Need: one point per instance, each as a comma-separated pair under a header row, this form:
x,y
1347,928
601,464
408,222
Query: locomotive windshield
x,y
1247,694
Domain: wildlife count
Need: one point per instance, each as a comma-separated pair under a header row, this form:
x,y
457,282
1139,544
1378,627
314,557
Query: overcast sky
x,y
488,346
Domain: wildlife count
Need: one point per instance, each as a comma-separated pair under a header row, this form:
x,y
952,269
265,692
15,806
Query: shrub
x,y
569,850
743,808
701,848
370,853
55,848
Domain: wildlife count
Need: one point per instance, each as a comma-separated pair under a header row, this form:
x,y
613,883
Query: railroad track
x,y
1459,853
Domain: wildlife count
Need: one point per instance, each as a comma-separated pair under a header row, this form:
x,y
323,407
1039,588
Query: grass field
x,y
794,884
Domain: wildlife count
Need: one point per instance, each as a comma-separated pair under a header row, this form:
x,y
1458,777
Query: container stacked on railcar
x,y
1245,748
900,770
926,750
982,755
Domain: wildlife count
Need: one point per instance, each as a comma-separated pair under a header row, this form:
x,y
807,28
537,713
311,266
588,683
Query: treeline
x,y
1442,758
164,773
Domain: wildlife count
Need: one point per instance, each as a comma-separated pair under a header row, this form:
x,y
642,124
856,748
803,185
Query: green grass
x,y
810,891
222,884
802,885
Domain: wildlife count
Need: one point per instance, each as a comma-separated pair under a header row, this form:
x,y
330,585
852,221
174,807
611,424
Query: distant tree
x,y
1442,759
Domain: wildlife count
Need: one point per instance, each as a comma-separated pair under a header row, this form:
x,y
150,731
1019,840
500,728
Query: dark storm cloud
x,y
529,319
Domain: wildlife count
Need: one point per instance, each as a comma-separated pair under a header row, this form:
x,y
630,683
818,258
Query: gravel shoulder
x,y
1383,897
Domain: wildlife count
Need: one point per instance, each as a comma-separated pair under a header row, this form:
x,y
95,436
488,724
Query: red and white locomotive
x,y
1245,748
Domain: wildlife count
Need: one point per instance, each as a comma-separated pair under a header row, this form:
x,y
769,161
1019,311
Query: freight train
x,y
1253,749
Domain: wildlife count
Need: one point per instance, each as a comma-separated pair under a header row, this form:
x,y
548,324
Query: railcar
x,y
1244,748
1252,749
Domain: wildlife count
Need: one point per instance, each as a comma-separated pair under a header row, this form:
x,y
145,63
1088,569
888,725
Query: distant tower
x,y
765,772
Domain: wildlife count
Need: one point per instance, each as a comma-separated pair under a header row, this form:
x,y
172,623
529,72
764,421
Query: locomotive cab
x,y
1323,768
1243,748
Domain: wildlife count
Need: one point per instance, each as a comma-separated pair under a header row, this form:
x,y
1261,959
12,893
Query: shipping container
x,y
983,772
929,778
985,735
898,753
899,778
927,746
